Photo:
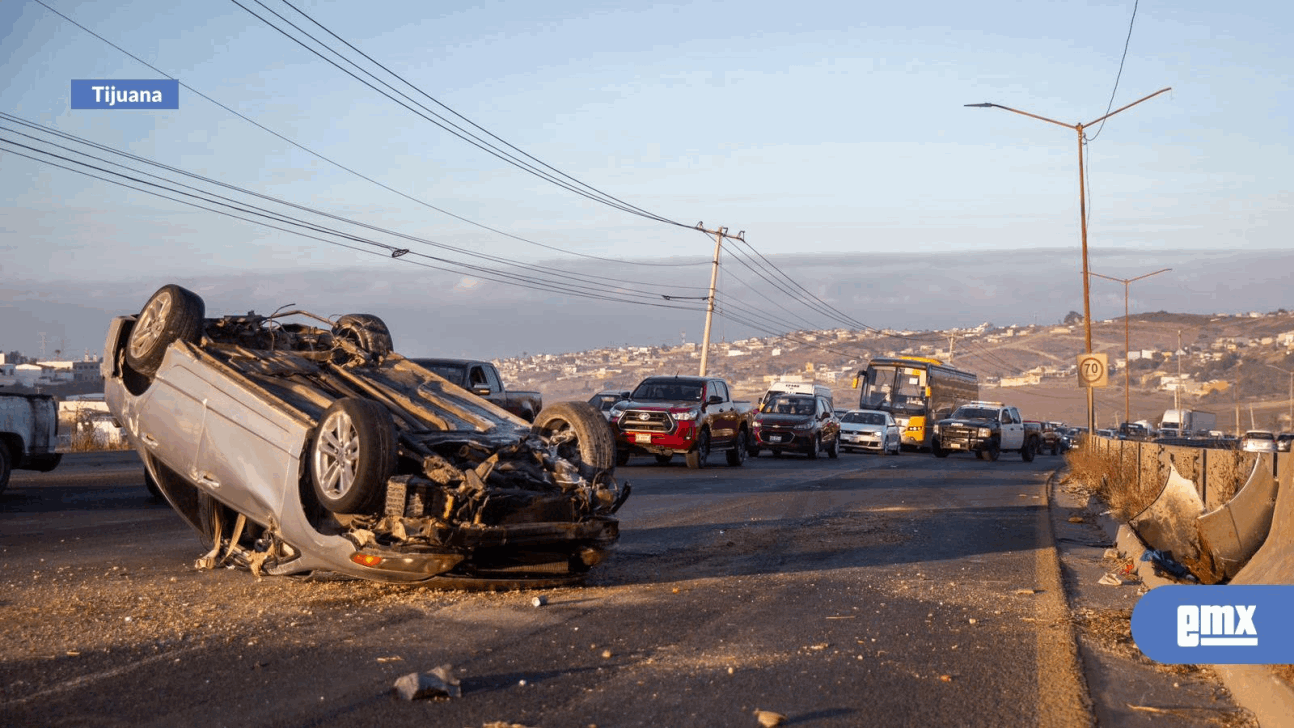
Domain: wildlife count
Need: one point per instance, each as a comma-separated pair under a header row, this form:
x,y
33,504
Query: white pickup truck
x,y
28,434
986,429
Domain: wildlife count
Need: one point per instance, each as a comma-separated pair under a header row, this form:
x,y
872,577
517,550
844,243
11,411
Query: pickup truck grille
x,y
955,433
645,421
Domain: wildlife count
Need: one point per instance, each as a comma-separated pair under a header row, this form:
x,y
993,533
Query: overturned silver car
x,y
295,448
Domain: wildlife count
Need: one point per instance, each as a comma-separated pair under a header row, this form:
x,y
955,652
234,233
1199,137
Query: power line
x,y
566,275
438,120
351,171
1119,75
261,216
460,116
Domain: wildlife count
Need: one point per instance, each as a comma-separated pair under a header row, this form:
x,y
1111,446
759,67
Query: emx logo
x,y
1215,625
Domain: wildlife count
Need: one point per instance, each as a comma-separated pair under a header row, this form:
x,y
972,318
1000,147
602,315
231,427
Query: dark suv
x,y
796,423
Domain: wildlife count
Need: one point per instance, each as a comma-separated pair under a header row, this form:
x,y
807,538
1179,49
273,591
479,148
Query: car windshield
x,y
790,405
604,401
453,372
864,418
975,413
1259,436
669,391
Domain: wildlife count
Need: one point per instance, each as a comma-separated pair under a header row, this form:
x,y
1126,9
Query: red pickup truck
x,y
690,415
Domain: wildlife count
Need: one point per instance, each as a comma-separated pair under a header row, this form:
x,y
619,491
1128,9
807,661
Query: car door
x,y
1012,429
891,432
722,414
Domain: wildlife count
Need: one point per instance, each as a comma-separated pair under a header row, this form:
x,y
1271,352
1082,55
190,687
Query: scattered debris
x,y
1165,564
1026,592
439,683
539,601
1111,579
768,718
1110,554
606,654
946,678
971,620
1076,519
819,646
503,724
393,658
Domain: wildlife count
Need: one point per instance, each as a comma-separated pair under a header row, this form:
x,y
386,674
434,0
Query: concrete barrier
x,y
1274,561
1234,532
1168,523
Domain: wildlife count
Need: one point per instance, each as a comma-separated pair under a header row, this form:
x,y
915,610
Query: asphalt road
x,y
867,590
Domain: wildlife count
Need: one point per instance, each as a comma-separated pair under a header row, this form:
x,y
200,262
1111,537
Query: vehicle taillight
x,y
366,559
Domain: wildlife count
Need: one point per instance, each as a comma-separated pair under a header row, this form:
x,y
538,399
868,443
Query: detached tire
x,y
366,331
593,446
352,455
171,314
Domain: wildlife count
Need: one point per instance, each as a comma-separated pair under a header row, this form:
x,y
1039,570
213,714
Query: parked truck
x,y
986,429
28,434
482,378
1186,423
692,416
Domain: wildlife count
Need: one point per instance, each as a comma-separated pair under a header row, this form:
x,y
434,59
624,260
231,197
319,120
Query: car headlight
x,y
686,416
985,432
935,429
804,426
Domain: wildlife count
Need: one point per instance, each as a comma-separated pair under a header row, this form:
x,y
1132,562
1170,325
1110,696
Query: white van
x,y
816,390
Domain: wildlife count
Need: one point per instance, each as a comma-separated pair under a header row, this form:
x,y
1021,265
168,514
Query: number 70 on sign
x,y
1093,370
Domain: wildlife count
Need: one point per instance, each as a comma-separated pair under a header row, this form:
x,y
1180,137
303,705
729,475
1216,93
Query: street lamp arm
x,y
1162,270
1129,106
1025,113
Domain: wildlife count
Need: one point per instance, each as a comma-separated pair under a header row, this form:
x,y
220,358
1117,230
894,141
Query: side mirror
x,y
714,399
481,390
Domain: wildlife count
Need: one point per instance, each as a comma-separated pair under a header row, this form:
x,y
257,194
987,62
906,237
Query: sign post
x,y
1093,371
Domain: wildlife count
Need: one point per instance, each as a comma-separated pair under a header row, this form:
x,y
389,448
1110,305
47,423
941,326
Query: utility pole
x,y
1127,346
951,339
1082,221
1290,425
1177,405
719,234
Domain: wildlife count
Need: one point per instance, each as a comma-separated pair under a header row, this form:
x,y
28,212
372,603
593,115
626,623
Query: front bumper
x,y
862,440
682,438
783,439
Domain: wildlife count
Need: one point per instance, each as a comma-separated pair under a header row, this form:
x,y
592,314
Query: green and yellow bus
x,y
917,390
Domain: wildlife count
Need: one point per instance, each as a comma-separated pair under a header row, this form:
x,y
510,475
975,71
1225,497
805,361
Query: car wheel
x,y
814,448
622,457
992,452
664,458
697,456
151,484
366,332
352,455
934,448
1026,451
895,451
5,467
171,314
737,455
833,450
582,434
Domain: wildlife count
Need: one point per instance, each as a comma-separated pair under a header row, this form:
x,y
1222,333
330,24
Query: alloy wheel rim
x,y
148,329
337,455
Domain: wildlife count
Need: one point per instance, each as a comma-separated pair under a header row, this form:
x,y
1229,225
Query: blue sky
x,y
816,127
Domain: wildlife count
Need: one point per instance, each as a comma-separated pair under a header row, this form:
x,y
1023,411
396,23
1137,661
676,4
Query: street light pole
x,y
1082,220
1127,341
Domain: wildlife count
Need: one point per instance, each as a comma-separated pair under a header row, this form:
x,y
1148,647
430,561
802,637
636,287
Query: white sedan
x,y
1258,441
869,430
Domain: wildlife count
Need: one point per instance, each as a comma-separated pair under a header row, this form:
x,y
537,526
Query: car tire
x,y
991,454
622,457
352,455
737,455
171,314
938,451
6,467
1026,451
593,448
366,331
814,448
151,485
700,452
833,450
895,451
664,458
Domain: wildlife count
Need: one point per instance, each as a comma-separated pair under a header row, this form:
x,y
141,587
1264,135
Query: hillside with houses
x,y
1222,362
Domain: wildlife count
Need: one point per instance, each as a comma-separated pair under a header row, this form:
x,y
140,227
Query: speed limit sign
x,y
1093,370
